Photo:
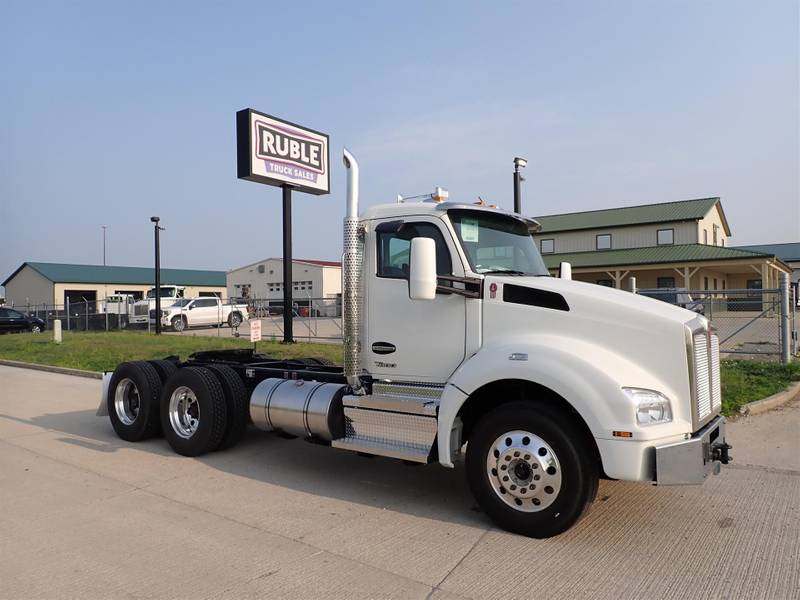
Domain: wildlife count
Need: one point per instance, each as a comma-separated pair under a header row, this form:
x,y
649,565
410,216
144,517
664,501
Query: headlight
x,y
650,406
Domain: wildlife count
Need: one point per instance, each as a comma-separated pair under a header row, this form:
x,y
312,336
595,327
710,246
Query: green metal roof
x,y
653,255
68,273
786,252
683,210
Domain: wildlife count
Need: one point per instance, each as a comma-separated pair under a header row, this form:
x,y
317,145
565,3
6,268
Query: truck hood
x,y
595,299
638,341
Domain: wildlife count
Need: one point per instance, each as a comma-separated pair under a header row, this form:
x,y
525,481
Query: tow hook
x,y
719,451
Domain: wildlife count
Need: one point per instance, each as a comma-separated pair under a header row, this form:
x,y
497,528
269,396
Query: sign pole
x,y
288,336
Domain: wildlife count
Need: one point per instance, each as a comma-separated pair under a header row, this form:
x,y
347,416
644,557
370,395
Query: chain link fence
x,y
315,319
749,322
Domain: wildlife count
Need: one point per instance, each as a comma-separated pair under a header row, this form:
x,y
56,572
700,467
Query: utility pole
x,y
518,179
104,244
157,229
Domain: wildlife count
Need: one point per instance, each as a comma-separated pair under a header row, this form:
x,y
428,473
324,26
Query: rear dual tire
x,y
133,398
203,409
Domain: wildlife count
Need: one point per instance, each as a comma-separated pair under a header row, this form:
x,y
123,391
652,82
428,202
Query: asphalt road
x,y
85,515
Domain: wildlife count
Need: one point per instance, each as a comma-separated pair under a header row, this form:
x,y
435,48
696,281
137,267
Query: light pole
x,y
519,163
104,244
156,227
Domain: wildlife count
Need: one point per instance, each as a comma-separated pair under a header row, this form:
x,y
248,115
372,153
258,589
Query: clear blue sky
x,y
112,112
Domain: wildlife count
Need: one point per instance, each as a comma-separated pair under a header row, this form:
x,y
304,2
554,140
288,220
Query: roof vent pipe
x,y
352,261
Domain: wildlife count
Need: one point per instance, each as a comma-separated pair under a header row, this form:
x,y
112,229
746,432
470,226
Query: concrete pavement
x,y
83,514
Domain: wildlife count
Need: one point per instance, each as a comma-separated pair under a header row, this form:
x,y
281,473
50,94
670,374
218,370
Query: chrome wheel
x,y
184,412
523,471
36,329
178,324
236,320
127,401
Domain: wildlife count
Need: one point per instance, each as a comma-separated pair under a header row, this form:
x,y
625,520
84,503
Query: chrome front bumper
x,y
689,462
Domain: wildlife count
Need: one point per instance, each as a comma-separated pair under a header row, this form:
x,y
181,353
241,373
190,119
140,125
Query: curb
x,y
770,402
51,369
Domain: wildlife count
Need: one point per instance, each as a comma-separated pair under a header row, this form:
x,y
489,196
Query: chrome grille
x,y
141,309
716,389
701,376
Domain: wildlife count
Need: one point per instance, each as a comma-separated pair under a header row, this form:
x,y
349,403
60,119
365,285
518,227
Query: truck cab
x,y
169,295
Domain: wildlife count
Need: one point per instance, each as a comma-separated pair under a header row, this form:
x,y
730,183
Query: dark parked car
x,y
13,320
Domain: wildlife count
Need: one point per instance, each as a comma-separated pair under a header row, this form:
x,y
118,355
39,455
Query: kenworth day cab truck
x,y
456,336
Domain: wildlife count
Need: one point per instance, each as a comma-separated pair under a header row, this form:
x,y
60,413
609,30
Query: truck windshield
x,y
496,243
182,302
166,292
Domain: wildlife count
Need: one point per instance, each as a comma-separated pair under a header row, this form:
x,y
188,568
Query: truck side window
x,y
394,250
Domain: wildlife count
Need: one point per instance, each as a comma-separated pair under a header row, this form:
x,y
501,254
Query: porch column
x,y
617,276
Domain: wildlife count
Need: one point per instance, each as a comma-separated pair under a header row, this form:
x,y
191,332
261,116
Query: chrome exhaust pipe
x,y
352,263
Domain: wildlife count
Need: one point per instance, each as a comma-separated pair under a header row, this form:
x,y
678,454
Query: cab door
x,y
411,340
204,311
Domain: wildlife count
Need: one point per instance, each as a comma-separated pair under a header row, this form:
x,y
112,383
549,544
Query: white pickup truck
x,y
198,312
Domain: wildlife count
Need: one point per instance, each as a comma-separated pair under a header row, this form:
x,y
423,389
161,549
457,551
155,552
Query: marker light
x,y
440,195
650,406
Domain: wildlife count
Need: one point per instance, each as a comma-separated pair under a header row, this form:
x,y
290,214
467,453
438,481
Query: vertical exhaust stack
x,y
352,263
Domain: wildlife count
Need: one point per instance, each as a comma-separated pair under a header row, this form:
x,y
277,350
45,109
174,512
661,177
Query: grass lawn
x,y
744,381
101,351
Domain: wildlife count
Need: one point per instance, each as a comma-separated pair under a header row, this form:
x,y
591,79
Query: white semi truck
x,y
459,344
169,295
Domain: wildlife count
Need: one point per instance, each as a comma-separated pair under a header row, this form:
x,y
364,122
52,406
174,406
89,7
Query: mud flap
x,y
102,410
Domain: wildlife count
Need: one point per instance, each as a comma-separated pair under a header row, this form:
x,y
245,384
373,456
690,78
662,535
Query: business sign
x,y
255,330
277,152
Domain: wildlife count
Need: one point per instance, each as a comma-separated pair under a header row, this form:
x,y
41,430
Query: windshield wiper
x,y
502,272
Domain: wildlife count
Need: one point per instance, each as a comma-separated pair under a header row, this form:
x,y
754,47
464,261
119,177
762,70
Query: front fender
x,y
588,376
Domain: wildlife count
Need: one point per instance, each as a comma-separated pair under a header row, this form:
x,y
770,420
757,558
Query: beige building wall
x,y
332,281
265,279
634,236
705,227
29,287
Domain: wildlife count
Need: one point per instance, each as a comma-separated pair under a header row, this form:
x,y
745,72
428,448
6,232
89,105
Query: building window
x,y
665,237
603,241
261,268
705,236
724,284
715,283
715,233
547,246
665,282
705,283
605,282
723,242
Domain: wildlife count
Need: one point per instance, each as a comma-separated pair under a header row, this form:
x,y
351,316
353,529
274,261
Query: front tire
x,y
179,324
234,320
36,328
530,469
193,411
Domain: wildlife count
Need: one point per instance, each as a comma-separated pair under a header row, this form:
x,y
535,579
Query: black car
x,y
13,320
